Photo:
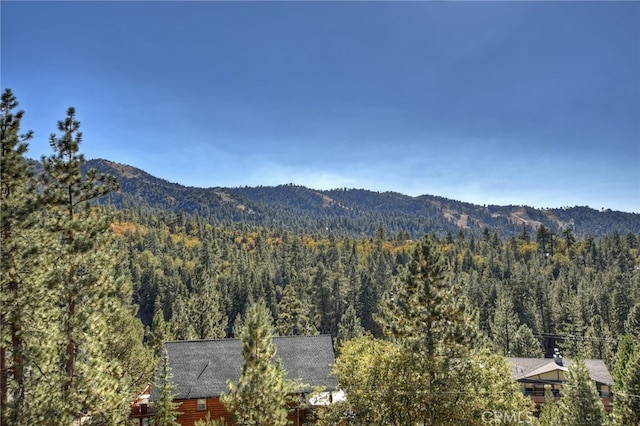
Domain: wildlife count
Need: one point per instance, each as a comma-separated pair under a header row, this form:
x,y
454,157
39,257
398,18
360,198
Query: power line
x,y
575,337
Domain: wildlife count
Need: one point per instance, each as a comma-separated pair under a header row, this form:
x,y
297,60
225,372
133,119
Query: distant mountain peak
x,y
352,211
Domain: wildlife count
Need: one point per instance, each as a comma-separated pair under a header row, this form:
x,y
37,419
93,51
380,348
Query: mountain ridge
x,y
353,211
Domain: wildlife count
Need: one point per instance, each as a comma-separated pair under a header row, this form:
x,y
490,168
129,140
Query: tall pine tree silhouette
x,y
260,396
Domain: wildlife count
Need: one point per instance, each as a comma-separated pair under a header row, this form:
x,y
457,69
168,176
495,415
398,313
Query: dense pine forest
x,y
94,283
531,293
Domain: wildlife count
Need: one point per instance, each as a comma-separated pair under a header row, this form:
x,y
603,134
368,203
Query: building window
x,y
202,405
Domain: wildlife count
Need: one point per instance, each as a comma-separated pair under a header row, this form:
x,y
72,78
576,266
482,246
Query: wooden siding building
x,y
537,374
201,368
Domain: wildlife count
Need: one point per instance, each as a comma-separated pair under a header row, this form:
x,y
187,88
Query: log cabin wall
x,y
192,413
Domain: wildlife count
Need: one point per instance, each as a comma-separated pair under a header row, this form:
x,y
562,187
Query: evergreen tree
x,y
375,280
626,408
525,344
166,410
324,300
580,404
426,318
571,326
211,319
599,343
619,310
368,303
626,348
69,336
549,415
349,327
293,314
505,324
425,312
85,288
261,394
158,334
632,324
21,290
133,362
569,239
182,324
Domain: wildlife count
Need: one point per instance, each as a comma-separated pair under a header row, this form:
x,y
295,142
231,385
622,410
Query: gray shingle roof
x,y
524,367
201,368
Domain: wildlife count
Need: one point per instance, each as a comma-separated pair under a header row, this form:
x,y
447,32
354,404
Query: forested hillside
x,y
531,293
96,279
353,212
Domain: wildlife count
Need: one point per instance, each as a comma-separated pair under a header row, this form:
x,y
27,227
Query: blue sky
x,y
534,103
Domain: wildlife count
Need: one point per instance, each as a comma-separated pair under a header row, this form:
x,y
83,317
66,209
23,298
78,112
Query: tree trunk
x,y
3,384
71,346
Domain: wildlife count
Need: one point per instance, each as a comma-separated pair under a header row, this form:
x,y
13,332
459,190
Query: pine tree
x,y
293,315
159,332
580,404
166,410
525,344
182,324
260,396
599,343
549,410
425,312
75,346
632,324
21,290
211,319
505,324
84,284
570,240
324,299
626,408
349,327
426,318
572,326
619,310
130,359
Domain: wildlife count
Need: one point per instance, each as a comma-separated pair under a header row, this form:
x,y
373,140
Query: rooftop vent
x,y
557,357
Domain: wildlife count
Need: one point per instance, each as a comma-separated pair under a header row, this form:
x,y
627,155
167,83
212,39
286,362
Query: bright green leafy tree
x,y
425,373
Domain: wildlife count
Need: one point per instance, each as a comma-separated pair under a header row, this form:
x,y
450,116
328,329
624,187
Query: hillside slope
x,y
352,211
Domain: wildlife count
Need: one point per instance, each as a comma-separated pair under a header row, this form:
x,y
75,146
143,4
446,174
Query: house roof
x,y
201,368
548,367
523,368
